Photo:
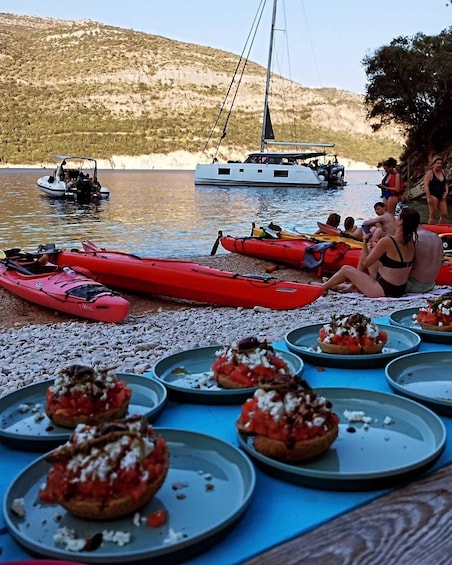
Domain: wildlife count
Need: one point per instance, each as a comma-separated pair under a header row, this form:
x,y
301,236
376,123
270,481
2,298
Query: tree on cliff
x,y
410,84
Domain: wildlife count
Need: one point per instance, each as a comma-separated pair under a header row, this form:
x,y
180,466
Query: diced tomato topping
x,y
157,518
263,423
353,343
246,376
78,403
426,317
60,479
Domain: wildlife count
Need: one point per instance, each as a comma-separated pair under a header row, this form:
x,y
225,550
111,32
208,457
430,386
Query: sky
x,y
328,39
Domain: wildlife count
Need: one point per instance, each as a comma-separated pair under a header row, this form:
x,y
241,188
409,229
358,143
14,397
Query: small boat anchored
x,y
75,177
301,167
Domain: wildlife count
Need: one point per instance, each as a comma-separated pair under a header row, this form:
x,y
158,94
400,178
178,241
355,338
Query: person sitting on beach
x,y
331,226
384,270
382,225
351,229
428,258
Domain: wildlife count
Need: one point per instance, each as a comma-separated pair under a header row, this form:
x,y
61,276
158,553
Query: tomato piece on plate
x,y
157,518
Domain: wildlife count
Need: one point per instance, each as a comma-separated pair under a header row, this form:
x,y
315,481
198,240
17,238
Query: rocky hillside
x,y
84,87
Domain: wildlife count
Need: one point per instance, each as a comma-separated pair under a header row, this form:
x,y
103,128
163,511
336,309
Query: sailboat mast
x,y
267,81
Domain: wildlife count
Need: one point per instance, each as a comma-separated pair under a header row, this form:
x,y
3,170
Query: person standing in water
x,y
391,186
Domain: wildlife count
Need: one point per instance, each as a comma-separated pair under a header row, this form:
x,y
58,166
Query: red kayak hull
x,y
291,252
189,281
438,228
54,290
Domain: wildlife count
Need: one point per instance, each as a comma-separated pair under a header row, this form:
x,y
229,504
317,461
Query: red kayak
x,y
65,290
438,228
328,256
186,280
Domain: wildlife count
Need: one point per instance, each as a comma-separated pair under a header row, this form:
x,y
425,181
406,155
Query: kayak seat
x,y
314,255
326,255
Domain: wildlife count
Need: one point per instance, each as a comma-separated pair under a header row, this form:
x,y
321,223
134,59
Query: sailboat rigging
x,y
298,168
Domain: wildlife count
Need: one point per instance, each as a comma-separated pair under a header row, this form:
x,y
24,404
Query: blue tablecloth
x,y
280,510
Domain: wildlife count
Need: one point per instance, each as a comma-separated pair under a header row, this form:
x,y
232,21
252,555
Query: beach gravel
x,y
36,343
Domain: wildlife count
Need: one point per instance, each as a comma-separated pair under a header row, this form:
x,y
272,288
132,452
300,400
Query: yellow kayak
x,y
315,238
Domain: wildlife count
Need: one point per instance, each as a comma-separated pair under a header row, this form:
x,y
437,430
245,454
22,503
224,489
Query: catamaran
x,y
300,167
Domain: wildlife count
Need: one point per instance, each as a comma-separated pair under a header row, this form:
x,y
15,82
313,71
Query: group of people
x,y
398,255
406,261
435,187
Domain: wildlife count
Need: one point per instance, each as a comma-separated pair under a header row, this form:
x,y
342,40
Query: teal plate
x,y
24,424
405,319
376,456
425,377
182,372
303,342
209,485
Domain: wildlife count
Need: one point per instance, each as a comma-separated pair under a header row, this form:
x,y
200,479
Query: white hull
x,y
58,189
256,174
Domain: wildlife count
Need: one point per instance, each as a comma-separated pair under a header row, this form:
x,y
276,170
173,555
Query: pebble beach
x,y
33,352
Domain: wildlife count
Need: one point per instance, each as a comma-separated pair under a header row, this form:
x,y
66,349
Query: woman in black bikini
x,y
436,190
384,270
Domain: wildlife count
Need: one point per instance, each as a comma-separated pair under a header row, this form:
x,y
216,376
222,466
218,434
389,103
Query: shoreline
x,y
177,160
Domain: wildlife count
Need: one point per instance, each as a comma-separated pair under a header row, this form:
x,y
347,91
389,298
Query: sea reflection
x,y
162,214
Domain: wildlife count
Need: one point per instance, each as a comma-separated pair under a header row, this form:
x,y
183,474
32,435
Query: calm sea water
x,y
162,214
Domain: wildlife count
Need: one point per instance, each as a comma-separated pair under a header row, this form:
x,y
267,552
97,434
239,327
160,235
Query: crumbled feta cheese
x,y
357,416
173,537
18,507
137,519
116,536
387,421
67,537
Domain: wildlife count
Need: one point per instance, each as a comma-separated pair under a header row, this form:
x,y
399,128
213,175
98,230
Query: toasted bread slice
x,y
93,509
65,421
435,328
226,382
344,350
301,451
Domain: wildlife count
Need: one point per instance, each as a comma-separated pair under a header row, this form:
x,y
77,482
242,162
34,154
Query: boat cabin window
x,y
280,173
224,171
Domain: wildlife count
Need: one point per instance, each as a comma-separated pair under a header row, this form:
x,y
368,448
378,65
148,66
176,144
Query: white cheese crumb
x,y
24,408
387,421
357,416
66,537
173,537
18,507
118,537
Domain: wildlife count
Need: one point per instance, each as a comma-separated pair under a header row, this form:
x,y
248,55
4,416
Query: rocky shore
x,y
36,343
